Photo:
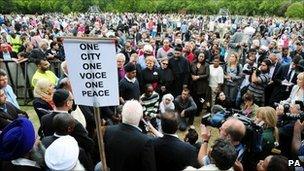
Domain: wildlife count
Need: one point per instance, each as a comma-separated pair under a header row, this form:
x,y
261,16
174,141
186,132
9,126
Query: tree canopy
x,y
282,8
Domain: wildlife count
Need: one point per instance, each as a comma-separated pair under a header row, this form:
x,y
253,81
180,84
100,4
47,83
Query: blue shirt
x,y
10,96
286,60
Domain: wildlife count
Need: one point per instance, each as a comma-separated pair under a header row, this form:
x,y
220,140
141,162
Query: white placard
x,y
92,71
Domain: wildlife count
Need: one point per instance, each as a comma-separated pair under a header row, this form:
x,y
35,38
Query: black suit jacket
x,y
127,148
11,114
279,91
79,132
40,103
173,154
85,160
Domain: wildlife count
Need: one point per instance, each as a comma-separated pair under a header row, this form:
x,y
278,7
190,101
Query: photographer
x,y
232,130
258,82
287,116
247,71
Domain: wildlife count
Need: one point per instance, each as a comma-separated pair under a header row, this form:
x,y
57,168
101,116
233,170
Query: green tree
x,y
34,6
295,10
66,10
77,6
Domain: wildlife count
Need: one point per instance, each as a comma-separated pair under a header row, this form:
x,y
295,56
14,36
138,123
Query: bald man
x,y
234,130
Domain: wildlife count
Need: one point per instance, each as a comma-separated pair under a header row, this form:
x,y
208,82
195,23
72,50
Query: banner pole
x,y
97,119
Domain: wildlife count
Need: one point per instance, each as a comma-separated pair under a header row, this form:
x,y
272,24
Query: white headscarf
x,y
163,106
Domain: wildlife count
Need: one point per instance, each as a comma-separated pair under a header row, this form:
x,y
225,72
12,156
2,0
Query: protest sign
x,y
92,71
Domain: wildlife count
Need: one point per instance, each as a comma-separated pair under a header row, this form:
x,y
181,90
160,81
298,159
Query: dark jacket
x,y
279,91
166,79
150,77
40,103
11,114
128,149
79,132
84,159
200,86
173,154
129,90
181,72
8,165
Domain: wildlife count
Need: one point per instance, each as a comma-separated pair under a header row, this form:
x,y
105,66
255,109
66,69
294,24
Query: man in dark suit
x,y
63,101
274,68
64,125
8,112
126,147
170,152
286,74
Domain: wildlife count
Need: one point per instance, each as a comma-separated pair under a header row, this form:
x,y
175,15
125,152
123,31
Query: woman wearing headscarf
x,y
43,93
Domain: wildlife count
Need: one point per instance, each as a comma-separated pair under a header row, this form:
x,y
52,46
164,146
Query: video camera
x,y
250,70
289,118
217,116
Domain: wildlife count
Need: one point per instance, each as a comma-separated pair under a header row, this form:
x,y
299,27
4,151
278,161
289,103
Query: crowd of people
x,y
242,75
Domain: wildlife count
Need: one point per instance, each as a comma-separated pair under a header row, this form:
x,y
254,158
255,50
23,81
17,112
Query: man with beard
x,y
181,71
258,82
43,72
128,51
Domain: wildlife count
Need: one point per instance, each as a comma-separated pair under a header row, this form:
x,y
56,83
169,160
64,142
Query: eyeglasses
x,y
165,63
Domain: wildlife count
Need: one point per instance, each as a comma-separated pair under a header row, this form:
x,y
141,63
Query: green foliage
x,y
205,7
295,10
77,6
66,10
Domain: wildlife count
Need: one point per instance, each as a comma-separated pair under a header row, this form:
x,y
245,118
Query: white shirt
x,y
216,76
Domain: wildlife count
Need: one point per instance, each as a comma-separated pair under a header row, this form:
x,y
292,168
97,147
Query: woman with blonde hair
x,y
297,92
232,71
43,93
266,117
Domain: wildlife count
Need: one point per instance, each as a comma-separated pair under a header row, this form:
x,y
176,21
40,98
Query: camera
x,y
286,106
250,70
216,118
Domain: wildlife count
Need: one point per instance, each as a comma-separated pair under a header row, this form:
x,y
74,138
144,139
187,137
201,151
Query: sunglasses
x,y
165,63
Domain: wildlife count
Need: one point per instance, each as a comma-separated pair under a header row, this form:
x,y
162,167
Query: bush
x,y
295,10
66,10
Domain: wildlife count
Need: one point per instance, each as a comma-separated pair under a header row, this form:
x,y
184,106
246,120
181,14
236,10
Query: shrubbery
x,y
206,7
295,10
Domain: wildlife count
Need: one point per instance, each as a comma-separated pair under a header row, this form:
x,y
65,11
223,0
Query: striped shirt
x,y
150,104
258,89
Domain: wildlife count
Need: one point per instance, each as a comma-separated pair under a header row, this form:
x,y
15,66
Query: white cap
x,y
62,154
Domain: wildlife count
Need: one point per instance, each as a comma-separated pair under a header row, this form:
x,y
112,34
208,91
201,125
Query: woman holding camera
x,y
266,117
